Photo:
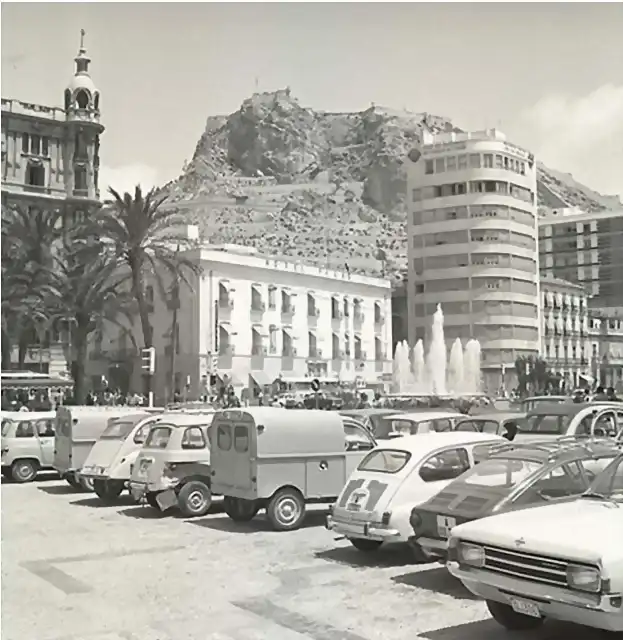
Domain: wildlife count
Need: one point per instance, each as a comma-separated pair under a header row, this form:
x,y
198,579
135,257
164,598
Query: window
x,y
159,437
440,165
546,424
385,461
482,426
241,439
356,438
35,144
416,195
45,428
25,143
488,160
445,465
474,160
561,481
501,473
193,438
45,151
25,429
499,161
451,163
462,162
272,298
429,167
35,175
117,430
223,437
80,178
141,435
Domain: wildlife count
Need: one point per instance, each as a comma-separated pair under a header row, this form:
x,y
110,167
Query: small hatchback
x,y
163,474
420,422
27,444
517,476
374,506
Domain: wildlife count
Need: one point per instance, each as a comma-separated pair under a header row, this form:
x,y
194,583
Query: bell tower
x,y
83,129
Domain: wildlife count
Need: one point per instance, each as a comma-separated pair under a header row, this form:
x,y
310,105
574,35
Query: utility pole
x,y
175,302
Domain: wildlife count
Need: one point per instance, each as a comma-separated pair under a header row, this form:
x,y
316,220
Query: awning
x,y
259,329
261,378
226,284
587,377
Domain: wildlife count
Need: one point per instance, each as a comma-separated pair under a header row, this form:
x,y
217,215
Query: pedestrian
x,y
600,395
612,396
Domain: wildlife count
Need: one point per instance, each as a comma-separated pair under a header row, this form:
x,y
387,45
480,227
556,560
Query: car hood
x,y
585,529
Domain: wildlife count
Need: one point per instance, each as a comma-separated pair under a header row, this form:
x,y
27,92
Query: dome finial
x,y
82,34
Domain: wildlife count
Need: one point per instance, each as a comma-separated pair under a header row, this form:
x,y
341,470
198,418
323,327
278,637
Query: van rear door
x,y
233,454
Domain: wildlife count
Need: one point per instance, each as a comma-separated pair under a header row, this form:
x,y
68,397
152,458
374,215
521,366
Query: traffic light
x,y
148,360
315,384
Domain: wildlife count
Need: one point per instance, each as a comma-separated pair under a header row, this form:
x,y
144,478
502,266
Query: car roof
x,y
558,449
422,416
373,411
175,419
563,397
498,416
430,441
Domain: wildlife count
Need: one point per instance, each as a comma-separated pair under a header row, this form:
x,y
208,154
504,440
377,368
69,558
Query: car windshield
x,y
609,483
385,461
6,426
551,424
117,430
501,472
159,437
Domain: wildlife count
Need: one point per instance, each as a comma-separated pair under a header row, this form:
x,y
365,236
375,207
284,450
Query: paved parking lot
x,y
72,569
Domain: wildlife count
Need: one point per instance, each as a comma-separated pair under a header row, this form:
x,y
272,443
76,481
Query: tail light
x,y
386,517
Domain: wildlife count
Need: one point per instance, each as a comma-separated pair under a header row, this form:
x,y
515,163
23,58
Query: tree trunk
x,y
7,349
139,296
22,349
79,366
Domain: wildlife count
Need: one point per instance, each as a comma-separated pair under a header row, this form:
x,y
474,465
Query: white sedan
x,y
375,504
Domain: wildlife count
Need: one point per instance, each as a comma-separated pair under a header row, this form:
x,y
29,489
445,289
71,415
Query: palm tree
x,y
87,292
147,238
28,239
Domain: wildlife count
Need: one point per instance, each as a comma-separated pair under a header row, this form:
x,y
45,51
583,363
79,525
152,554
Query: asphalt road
x,y
75,570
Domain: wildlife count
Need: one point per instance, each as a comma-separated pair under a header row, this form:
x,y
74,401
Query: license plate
x,y
353,506
525,607
445,525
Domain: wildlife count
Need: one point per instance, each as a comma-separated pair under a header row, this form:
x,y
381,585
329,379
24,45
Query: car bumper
x,y
591,610
363,530
94,474
432,546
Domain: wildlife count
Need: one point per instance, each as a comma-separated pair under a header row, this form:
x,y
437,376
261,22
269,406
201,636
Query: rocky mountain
x,y
327,188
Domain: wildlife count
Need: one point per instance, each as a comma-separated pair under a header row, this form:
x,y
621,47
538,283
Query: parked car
x,y
559,561
500,423
516,476
569,419
419,422
170,469
108,465
274,459
374,506
533,402
27,444
373,419
77,430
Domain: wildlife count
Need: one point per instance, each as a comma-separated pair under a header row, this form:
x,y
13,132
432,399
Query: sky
x,y
550,75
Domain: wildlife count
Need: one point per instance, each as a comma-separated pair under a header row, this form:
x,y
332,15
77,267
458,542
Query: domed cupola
x,y
81,95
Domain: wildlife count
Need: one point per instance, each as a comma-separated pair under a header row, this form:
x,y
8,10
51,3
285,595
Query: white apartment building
x,y
250,319
472,228
585,248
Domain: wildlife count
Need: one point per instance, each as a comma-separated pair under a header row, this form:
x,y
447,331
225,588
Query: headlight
x,y
583,578
470,554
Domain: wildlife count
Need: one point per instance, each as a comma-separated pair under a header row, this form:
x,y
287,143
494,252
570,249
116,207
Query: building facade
x,y
586,248
251,319
50,161
472,232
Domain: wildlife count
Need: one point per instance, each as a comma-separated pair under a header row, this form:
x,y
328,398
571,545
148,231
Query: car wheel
x,y
72,481
503,614
24,470
194,499
150,499
365,545
240,510
107,490
86,484
419,555
286,510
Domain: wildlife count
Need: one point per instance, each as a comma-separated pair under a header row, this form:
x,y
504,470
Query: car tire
x,y
418,554
23,471
240,510
150,499
286,510
194,499
86,484
504,615
365,545
107,490
72,481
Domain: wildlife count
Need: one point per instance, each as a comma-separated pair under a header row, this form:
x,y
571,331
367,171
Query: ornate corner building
x,y
50,161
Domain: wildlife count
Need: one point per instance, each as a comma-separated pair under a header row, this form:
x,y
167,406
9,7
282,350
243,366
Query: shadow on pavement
x,y
60,490
438,580
259,524
391,556
94,501
490,630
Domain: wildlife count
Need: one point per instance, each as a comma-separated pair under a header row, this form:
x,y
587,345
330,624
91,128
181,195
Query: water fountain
x,y
431,373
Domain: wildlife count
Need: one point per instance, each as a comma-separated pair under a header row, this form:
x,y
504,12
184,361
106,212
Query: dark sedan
x,y
515,476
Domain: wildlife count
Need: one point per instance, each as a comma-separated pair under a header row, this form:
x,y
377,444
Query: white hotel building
x,y
473,247
253,319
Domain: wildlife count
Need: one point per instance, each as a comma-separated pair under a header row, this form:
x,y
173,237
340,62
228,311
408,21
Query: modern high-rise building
x,y
472,231
586,248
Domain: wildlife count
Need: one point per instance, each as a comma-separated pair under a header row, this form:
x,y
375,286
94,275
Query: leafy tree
x,y
146,237
533,375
